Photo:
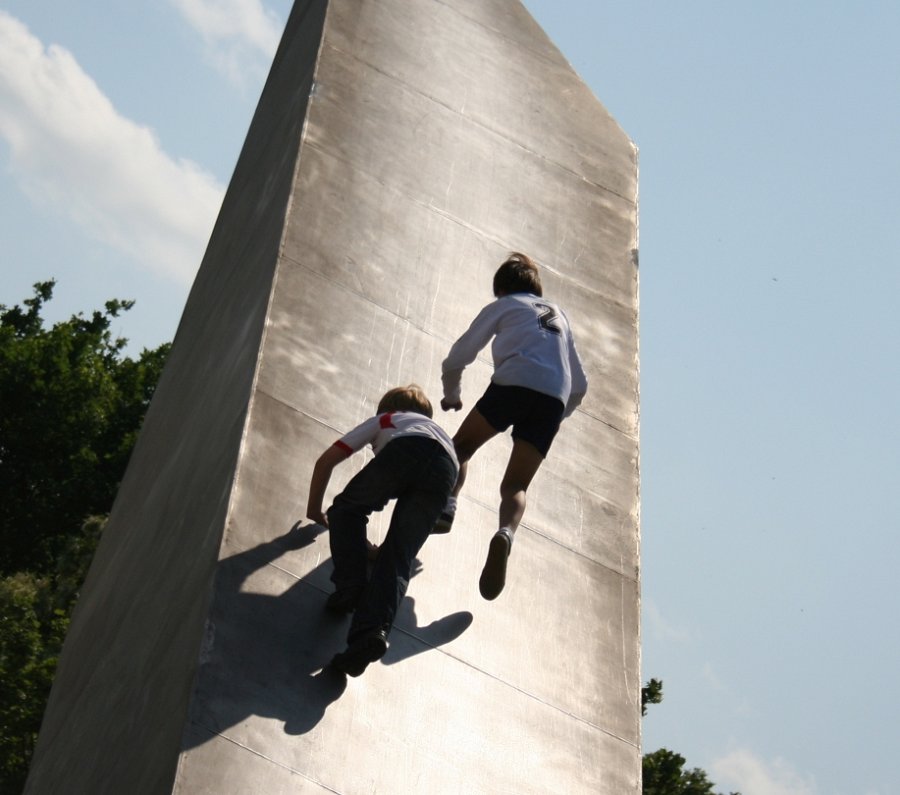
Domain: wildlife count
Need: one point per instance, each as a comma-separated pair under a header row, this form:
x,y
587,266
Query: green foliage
x,y
34,617
663,770
664,774
25,675
72,407
651,693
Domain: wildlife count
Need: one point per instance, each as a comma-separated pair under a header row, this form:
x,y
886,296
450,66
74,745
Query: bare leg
x,y
524,462
474,432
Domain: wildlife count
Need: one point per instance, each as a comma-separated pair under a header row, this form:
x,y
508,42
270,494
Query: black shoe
x,y
493,576
344,600
444,522
360,653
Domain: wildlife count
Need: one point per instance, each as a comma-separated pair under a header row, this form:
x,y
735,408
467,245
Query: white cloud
x,y
70,149
746,773
241,36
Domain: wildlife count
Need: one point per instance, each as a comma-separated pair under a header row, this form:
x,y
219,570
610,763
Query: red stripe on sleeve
x,y
345,447
385,420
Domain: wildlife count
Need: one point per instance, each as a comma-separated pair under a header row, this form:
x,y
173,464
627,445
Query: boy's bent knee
x,y
512,489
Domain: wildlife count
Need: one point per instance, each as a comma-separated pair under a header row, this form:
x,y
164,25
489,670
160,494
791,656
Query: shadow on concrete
x,y
267,654
435,634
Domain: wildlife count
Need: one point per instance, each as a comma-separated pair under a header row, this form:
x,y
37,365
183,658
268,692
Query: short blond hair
x,y
406,398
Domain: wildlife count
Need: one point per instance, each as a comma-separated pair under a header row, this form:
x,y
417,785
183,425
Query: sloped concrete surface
x,y
400,150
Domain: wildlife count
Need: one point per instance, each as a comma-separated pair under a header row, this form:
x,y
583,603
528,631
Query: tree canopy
x,y
664,774
663,770
72,405
35,611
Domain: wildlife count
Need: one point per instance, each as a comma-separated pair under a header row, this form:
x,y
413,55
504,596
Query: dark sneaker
x,y
444,522
493,576
344,600
360,653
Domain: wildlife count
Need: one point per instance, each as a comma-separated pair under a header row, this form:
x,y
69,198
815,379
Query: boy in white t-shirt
x,y
538,381
415,463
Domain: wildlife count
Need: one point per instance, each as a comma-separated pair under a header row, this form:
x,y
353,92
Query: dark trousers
x,y
419,474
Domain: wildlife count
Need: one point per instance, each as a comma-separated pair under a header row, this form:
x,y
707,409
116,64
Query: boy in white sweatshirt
x,y
538,381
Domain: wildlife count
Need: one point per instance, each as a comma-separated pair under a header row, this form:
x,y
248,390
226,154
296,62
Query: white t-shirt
x,y
533,347
382,428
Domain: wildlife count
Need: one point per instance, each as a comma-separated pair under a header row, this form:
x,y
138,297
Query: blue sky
x,y
770,188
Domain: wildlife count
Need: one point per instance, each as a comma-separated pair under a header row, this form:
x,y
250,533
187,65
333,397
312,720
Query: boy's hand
x,y
318,517
446,405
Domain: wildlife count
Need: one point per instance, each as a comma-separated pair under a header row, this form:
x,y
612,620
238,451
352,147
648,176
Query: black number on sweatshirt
x,y
548,319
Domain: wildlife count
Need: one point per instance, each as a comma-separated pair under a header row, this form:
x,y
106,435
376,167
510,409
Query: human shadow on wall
x,y
266,654
435,634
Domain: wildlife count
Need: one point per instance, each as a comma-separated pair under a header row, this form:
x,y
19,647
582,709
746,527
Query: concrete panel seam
x,y
301,412
625,434
480,503
582,555
524,526
275,762
475,123
462,661
482,358
535,698
535,53
432,647
463,225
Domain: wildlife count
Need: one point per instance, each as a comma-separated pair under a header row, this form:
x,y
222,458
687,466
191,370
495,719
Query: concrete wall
x,y
401,148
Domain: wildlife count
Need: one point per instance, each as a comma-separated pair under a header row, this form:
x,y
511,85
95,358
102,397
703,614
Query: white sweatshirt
x,y
533,347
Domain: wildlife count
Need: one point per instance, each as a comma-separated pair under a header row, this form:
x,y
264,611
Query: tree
x,y
663,770
72,408
651,693
34,618
664,774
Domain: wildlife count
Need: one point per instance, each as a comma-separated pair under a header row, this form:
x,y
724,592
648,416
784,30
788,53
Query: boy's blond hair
x,y
519,274
406,398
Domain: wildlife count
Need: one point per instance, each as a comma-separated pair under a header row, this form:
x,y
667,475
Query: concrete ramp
x,y
400,149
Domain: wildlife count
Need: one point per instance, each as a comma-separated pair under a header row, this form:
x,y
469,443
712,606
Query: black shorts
x,y
535,417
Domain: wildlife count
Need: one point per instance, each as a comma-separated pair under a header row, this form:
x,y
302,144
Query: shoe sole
x,y
444,523
441,527
493,576
358,657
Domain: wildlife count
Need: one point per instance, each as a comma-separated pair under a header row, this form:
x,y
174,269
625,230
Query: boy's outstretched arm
x,y
325,463
462,354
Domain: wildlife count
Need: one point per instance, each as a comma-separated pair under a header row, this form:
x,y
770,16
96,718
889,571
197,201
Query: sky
x,y
769,137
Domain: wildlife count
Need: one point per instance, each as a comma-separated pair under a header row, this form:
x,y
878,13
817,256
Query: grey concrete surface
x,y
400,149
